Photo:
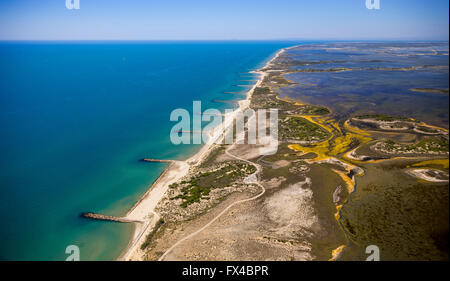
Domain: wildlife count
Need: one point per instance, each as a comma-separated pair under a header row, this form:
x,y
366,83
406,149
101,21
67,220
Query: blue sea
x,y
75,119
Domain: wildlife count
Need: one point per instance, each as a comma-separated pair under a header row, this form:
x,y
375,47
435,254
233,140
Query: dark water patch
x,y
382,83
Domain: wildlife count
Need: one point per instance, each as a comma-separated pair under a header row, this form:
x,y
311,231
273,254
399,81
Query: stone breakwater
x,y
108,218
156,160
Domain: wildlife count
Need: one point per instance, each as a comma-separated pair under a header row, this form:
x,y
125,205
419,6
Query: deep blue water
x,y
75,119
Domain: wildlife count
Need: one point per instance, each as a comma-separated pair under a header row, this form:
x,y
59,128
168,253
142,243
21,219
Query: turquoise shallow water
x,y
76,118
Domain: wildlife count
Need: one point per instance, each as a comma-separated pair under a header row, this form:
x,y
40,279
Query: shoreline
x,y
144,208
268,66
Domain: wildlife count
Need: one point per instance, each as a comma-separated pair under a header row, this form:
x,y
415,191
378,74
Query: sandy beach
x,y
144,209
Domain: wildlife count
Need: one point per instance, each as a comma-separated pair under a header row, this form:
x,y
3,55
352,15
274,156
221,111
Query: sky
x,y
224,20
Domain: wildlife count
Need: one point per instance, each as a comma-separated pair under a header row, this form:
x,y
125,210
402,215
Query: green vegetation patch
x,y
298,128
406,221
264,98
214,154
429,144
315,110
382,117
200,186
150,236
279,79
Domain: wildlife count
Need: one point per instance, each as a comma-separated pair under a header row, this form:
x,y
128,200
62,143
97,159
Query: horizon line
x,y
227,40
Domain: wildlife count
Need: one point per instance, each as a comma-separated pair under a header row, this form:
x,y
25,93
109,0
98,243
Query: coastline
x,y
346,174
144,208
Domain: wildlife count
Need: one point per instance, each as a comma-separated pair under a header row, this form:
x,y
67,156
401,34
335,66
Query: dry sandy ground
x,y
274,227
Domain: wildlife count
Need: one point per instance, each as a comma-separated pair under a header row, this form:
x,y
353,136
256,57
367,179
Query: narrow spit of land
x,y
144,209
